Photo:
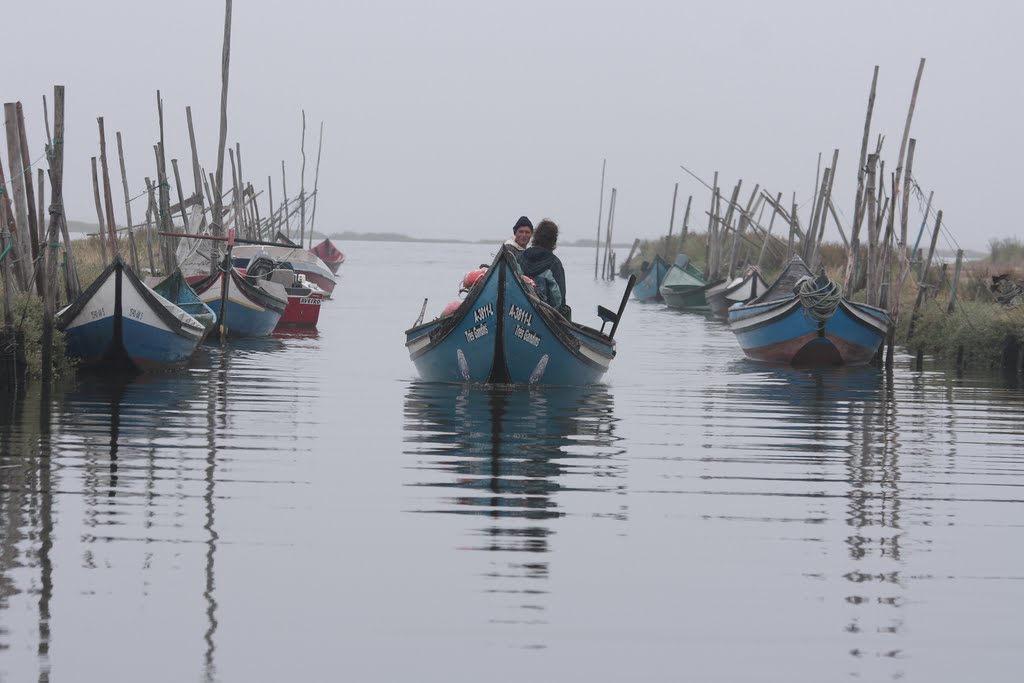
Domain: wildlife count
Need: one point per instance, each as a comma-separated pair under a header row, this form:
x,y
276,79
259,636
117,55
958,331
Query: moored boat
x,y
121,323
684,286
246,306
648,284
329,254
501,333
805,320
175,288
742,289
296,258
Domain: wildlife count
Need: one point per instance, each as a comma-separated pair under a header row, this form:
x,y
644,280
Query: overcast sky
x,y
451,118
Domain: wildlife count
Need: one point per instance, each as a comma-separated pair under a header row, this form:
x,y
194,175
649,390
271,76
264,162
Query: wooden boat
x,y
649,282
296,258
121,323
745,288
304,299
502,333
684,286
175,288
246,306
804,320
329,254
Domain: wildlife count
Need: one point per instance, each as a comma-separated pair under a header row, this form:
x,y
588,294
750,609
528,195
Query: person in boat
x,y
522,233
540,263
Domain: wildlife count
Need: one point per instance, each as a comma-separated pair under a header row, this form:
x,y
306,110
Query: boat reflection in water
x,y
511,455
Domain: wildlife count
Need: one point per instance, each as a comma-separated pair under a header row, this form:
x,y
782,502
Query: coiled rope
x,y
820,303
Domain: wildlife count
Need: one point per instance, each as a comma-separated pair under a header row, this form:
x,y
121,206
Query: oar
x,y
613,318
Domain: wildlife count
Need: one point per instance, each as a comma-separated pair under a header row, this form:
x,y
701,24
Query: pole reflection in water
x,y
511,456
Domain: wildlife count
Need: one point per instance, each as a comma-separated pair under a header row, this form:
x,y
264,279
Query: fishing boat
x,y
684,286
304,298
805,320
298,259
119,322
725,293
329,254
175,288
649,282
501,333
246,305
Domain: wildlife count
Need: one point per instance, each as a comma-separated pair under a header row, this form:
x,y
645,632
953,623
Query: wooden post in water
x,y
316,184
872,290
600,207
50,253
71,283
741,228
302,185
284,207
708,249
827,200
41,211
956,280
686,224
14,192
767,237
671,222
270,207
858,207
132,248
35,221
150,232
108,199
181,196
608,234
896,281
924,277
218,189
726,222
99,213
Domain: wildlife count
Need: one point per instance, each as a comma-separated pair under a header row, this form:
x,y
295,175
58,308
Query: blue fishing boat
x,y
502,333
684,286
805,320
246,303
175,288
649,283
120,323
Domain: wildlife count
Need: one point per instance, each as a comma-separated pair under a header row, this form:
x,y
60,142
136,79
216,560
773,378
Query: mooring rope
x,y
820,303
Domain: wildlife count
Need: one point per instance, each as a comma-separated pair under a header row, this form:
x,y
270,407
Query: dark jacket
x,y
535,260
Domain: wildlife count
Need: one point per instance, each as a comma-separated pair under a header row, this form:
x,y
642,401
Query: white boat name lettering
x,y
519,315
475,333
483,313
531,338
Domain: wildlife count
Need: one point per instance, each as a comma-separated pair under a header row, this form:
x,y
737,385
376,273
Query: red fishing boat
x,y
329,254
304,297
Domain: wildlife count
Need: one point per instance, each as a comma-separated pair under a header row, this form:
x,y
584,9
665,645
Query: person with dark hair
x,y
540,263
522,231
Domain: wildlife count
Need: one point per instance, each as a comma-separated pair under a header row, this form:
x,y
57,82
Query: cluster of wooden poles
x,y
878,263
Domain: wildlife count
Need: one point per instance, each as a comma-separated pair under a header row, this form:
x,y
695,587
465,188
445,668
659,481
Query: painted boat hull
x,y
329,254
120,322
251,310
781,331
502,334
688,298
648,286
296,258
303,310
175,288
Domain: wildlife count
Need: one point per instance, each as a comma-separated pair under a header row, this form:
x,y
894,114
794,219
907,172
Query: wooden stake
x,y
133,249
600,207
284,210
686,223
771,222
708,248
150,232
924,277
956,280
671,219
302,184
197,173
35,222
218,189
14,192
316,183
99,213
872,288
50,254
858,208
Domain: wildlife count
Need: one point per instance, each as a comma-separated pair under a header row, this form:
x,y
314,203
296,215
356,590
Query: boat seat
x,y
606,317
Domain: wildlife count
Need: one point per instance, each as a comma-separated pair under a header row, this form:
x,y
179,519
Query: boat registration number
x,y
309,302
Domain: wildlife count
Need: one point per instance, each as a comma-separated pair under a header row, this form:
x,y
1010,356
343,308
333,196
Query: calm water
x,y
301,508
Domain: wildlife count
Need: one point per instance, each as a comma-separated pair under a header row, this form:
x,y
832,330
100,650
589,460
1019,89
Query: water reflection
x,y
508,456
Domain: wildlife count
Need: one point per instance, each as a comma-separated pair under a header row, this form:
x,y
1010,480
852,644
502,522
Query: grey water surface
x,y
302,508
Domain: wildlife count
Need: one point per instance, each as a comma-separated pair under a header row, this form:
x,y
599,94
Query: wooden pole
x,y
14,191
133,249
741,228
181,196
50,253
108,200
608,234
197,173
284,211
726,222
218,189
956,280
99,213
924,224
41,199
671,220
771,222
686,224
824,210
600,208
906,126
270,206
302,184
924,277
858,207
316,183
708,248
35,221
164,219
150,232
869,189
611,228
